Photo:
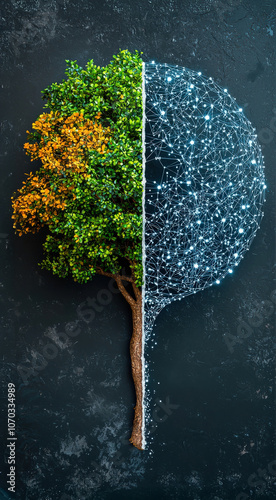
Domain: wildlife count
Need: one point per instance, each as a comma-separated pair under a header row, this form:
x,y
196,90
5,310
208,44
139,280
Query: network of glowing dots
x,y
205,185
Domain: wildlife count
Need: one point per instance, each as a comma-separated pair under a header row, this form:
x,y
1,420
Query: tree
x,y
88,190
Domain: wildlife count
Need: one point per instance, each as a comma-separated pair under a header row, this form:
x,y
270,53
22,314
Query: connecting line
x,y
143,252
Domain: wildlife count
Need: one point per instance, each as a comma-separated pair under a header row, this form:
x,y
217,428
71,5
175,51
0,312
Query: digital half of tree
x,y
87,192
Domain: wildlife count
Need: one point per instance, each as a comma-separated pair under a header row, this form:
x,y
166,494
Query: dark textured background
x,y
214,358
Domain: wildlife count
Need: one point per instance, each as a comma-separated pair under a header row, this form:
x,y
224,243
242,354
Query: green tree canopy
x,y
88,191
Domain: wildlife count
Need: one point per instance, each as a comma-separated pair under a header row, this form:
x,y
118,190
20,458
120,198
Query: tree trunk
x,y
137,355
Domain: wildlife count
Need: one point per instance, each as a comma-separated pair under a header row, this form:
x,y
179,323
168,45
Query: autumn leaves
x,y
61,143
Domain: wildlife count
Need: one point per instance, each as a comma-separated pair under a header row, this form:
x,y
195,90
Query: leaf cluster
x,y
88,191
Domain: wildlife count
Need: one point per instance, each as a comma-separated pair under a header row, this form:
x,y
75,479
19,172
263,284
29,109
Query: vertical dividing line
x,y
143,251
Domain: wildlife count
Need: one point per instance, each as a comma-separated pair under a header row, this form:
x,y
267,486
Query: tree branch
x,y
119,279
126,278
110,275
104,273
137,292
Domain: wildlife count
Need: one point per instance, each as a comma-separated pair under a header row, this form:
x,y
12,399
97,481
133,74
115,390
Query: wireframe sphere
x,y
205,184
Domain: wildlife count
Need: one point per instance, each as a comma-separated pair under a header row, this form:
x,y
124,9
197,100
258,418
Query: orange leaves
x,y
34,205
62,145
65,139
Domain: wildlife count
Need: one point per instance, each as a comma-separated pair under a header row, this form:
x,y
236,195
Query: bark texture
x,y
137,374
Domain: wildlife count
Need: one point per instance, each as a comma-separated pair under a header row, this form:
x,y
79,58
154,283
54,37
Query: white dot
x,y
241,230
207,117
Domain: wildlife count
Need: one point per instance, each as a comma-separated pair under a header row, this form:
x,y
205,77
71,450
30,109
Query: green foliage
x,y
102,225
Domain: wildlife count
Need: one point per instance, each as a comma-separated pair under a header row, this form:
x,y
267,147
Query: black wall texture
x,y
212,360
